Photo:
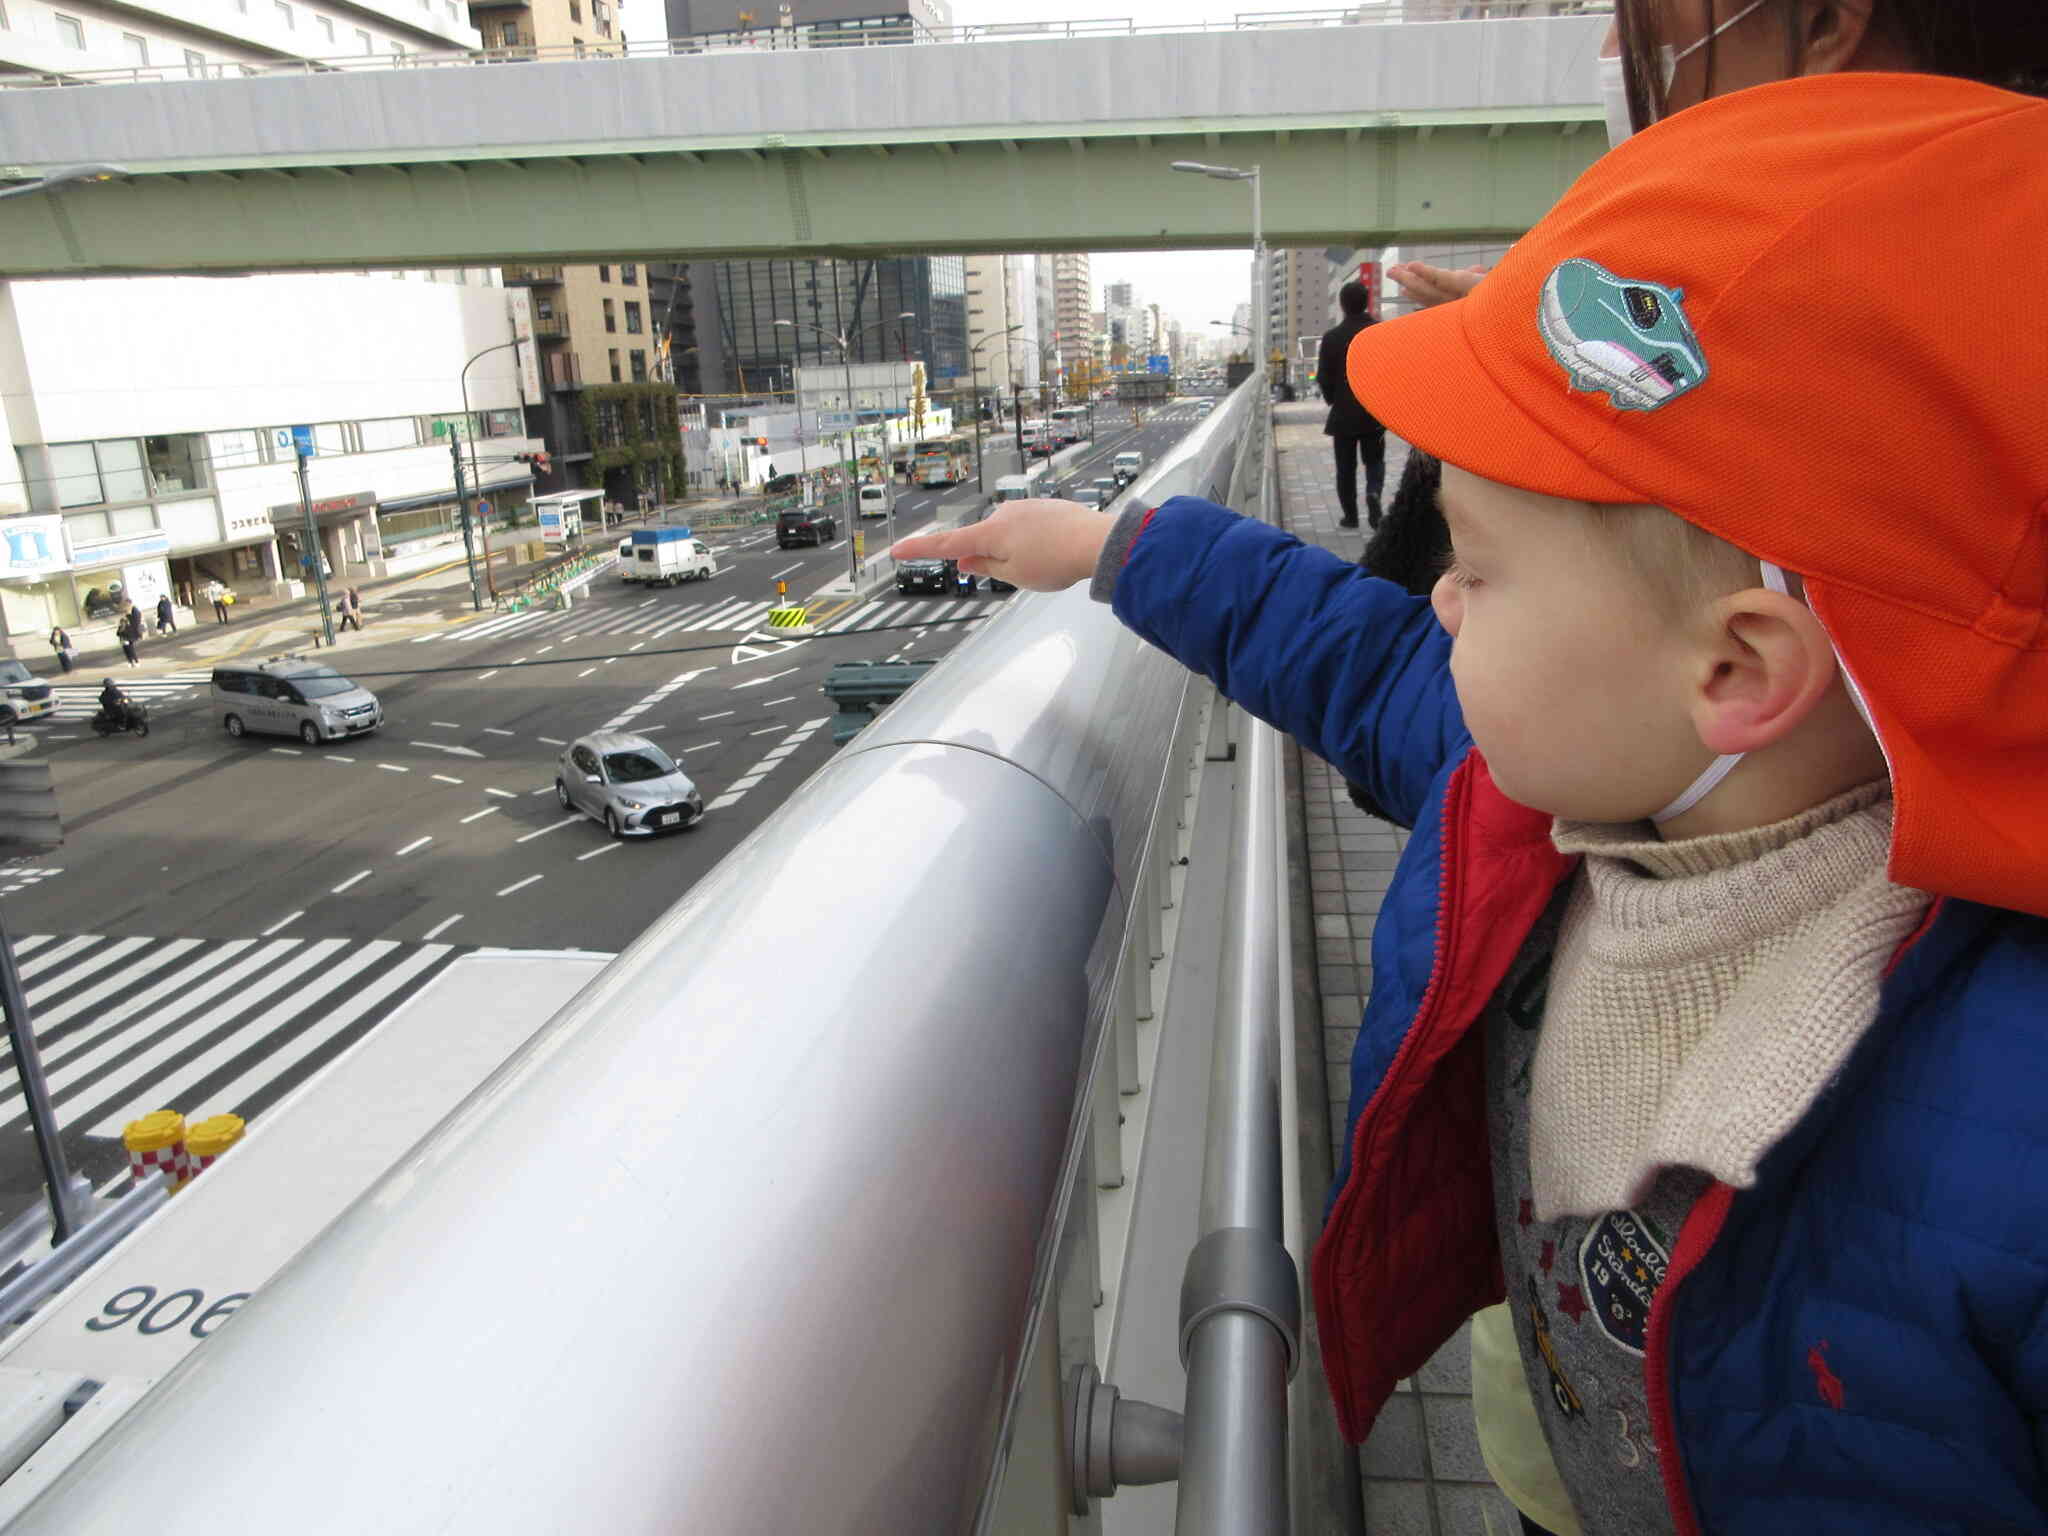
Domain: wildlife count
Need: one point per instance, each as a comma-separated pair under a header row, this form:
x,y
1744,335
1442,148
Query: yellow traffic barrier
x,y
156,1143
206,1141
788,618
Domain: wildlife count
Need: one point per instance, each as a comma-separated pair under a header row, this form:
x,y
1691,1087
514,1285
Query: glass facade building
x,y
862,297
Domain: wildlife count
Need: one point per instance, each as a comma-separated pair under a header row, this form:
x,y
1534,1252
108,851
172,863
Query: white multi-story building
x,y
146,442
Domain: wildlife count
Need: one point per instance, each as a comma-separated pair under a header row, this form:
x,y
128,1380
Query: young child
x,y
1709,1021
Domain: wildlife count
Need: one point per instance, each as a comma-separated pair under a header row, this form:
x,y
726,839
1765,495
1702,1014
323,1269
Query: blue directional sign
x,y
302,442
1158,362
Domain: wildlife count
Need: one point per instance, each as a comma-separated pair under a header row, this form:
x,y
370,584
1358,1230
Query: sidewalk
x,y
1421,1469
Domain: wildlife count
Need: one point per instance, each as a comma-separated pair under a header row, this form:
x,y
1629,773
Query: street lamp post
x,y
1234,173
468,544
974,363
844,342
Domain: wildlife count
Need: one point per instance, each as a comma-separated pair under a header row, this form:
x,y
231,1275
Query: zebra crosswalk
x,y
81,701
653,617
203,1026
884,612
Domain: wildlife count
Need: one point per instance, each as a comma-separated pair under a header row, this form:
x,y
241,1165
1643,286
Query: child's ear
x,y
1766,664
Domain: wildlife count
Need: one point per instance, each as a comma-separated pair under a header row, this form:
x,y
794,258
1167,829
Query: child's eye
x,y
1460,574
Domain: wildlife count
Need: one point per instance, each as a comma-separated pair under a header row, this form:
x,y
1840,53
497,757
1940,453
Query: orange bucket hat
x,y
1812,319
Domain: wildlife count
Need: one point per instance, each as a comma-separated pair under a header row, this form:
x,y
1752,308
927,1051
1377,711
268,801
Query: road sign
x,y
835,421
1158,362
302,442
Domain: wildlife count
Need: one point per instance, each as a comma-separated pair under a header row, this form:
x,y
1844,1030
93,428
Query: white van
x,y
1020,487
875,501
1125,466
291,696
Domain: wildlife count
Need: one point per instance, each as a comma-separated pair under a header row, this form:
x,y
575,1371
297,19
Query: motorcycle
x,y
134,720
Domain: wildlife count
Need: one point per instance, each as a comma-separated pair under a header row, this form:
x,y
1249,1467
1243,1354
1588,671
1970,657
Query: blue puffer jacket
x,y
1860,1342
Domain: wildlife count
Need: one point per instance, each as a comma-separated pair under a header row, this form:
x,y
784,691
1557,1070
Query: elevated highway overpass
x,y
1367,133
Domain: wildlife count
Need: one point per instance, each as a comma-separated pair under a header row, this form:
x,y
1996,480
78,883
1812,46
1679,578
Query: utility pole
x,y
302,444
476,596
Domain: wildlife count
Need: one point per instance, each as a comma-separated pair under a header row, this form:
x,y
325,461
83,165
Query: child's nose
x,y
1449,603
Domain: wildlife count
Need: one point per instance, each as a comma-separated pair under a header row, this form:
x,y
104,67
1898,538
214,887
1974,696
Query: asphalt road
x,y
226,916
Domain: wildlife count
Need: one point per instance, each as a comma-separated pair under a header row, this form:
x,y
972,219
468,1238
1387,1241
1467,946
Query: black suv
x,y
926,576
805,525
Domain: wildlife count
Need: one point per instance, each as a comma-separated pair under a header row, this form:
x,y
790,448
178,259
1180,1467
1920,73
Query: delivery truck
x,y
668,556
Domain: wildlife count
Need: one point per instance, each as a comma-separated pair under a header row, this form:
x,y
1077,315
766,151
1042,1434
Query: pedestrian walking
x,y
217,595
1349,426
166,622
60,642
128,631
352,610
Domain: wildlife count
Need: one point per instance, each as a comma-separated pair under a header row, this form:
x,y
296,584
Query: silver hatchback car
x,y
628,783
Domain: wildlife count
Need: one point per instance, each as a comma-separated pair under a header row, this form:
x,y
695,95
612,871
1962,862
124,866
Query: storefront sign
x,y
326,509
248,525
118,551
31,546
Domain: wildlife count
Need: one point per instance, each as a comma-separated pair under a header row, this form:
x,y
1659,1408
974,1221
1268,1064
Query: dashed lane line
x,y
446,725
489,810
445,779
503,794
520,885
700,747
768,731
393,768
355,879
484,676
282,923
443,926
771,703
757,682
595,852
566,821
414,846
554,741
722,714
492,730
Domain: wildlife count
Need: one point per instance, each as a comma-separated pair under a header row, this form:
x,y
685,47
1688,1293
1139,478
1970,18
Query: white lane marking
x,y
442,927
607,661
446,780
435,746
653,727
492,673
543,650
393,768
635,648
414,846
356,879
282,923
492,730
607,848
724,800
786,570
336,757
757,682
446,725
519,885
489,810
740,786
699,747
503,794
585,673
771,703
289,751
542,790
767,731
566,821
554,741
722,714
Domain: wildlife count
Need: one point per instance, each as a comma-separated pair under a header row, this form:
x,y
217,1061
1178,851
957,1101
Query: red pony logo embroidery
x,y
1825,1381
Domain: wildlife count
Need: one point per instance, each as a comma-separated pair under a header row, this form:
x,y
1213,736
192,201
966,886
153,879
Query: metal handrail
x,y
805,39
712,1195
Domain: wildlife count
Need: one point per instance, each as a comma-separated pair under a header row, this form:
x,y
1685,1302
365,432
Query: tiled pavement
x,y
1421,1469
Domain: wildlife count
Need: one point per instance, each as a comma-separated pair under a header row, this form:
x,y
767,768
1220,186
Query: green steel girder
x,y
1359,184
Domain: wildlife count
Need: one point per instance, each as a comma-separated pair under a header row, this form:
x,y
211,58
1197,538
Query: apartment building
x,y
1074,309
234,37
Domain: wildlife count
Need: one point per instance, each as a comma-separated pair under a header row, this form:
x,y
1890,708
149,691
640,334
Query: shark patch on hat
x,y
1624,337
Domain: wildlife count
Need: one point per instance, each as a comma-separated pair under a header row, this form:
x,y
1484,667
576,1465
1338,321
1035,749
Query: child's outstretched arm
x,y
1352,667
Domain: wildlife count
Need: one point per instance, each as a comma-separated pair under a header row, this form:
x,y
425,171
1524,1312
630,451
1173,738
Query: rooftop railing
x,y
815,37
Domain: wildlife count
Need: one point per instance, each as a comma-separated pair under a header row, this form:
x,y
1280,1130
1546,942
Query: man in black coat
x,y
1350,428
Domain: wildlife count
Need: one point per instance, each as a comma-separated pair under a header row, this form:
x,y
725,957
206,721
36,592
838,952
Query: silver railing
x,y
787,1222
817,37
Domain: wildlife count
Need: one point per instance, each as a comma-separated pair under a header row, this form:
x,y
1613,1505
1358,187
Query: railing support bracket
x,y
1115,1443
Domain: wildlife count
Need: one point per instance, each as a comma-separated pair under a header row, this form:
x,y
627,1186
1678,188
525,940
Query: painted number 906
x,y
140,1305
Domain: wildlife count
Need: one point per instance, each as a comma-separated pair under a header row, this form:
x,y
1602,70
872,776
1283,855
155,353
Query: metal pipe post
x,y
476,596
314,553
35,1091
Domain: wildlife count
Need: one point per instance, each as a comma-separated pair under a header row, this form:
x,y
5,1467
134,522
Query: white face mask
x,y
1614,83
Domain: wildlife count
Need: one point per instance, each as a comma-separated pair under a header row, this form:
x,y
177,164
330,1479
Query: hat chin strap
x,y
1722,766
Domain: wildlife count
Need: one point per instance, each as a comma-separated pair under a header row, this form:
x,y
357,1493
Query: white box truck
x,y
668,556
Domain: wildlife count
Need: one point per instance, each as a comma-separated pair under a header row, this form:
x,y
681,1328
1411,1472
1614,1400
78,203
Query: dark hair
x,y
1412,542
1995,42
1351,298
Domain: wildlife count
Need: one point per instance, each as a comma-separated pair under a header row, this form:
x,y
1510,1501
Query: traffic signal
x,y
540,461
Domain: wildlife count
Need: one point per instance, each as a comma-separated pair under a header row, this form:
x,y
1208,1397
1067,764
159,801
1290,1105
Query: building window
x,y
364,38
65,475
611,319
398,50
511,37
70,31
615,365
327,27
579,46
633,326
195,64
604,274
136,48
575,11
284,13
179,463
628,272
639,366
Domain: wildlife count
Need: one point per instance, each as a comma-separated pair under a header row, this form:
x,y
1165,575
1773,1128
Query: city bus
x,y
944,460
1070,424
1039,438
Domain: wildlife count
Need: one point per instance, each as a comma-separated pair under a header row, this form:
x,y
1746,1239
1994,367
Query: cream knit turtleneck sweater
x,y
1703,994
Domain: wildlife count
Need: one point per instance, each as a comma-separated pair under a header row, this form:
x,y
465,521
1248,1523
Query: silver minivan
x,y
291,696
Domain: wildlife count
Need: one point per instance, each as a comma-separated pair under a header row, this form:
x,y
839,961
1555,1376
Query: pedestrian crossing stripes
x,y
128,1025
908,610
81,701
652,619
